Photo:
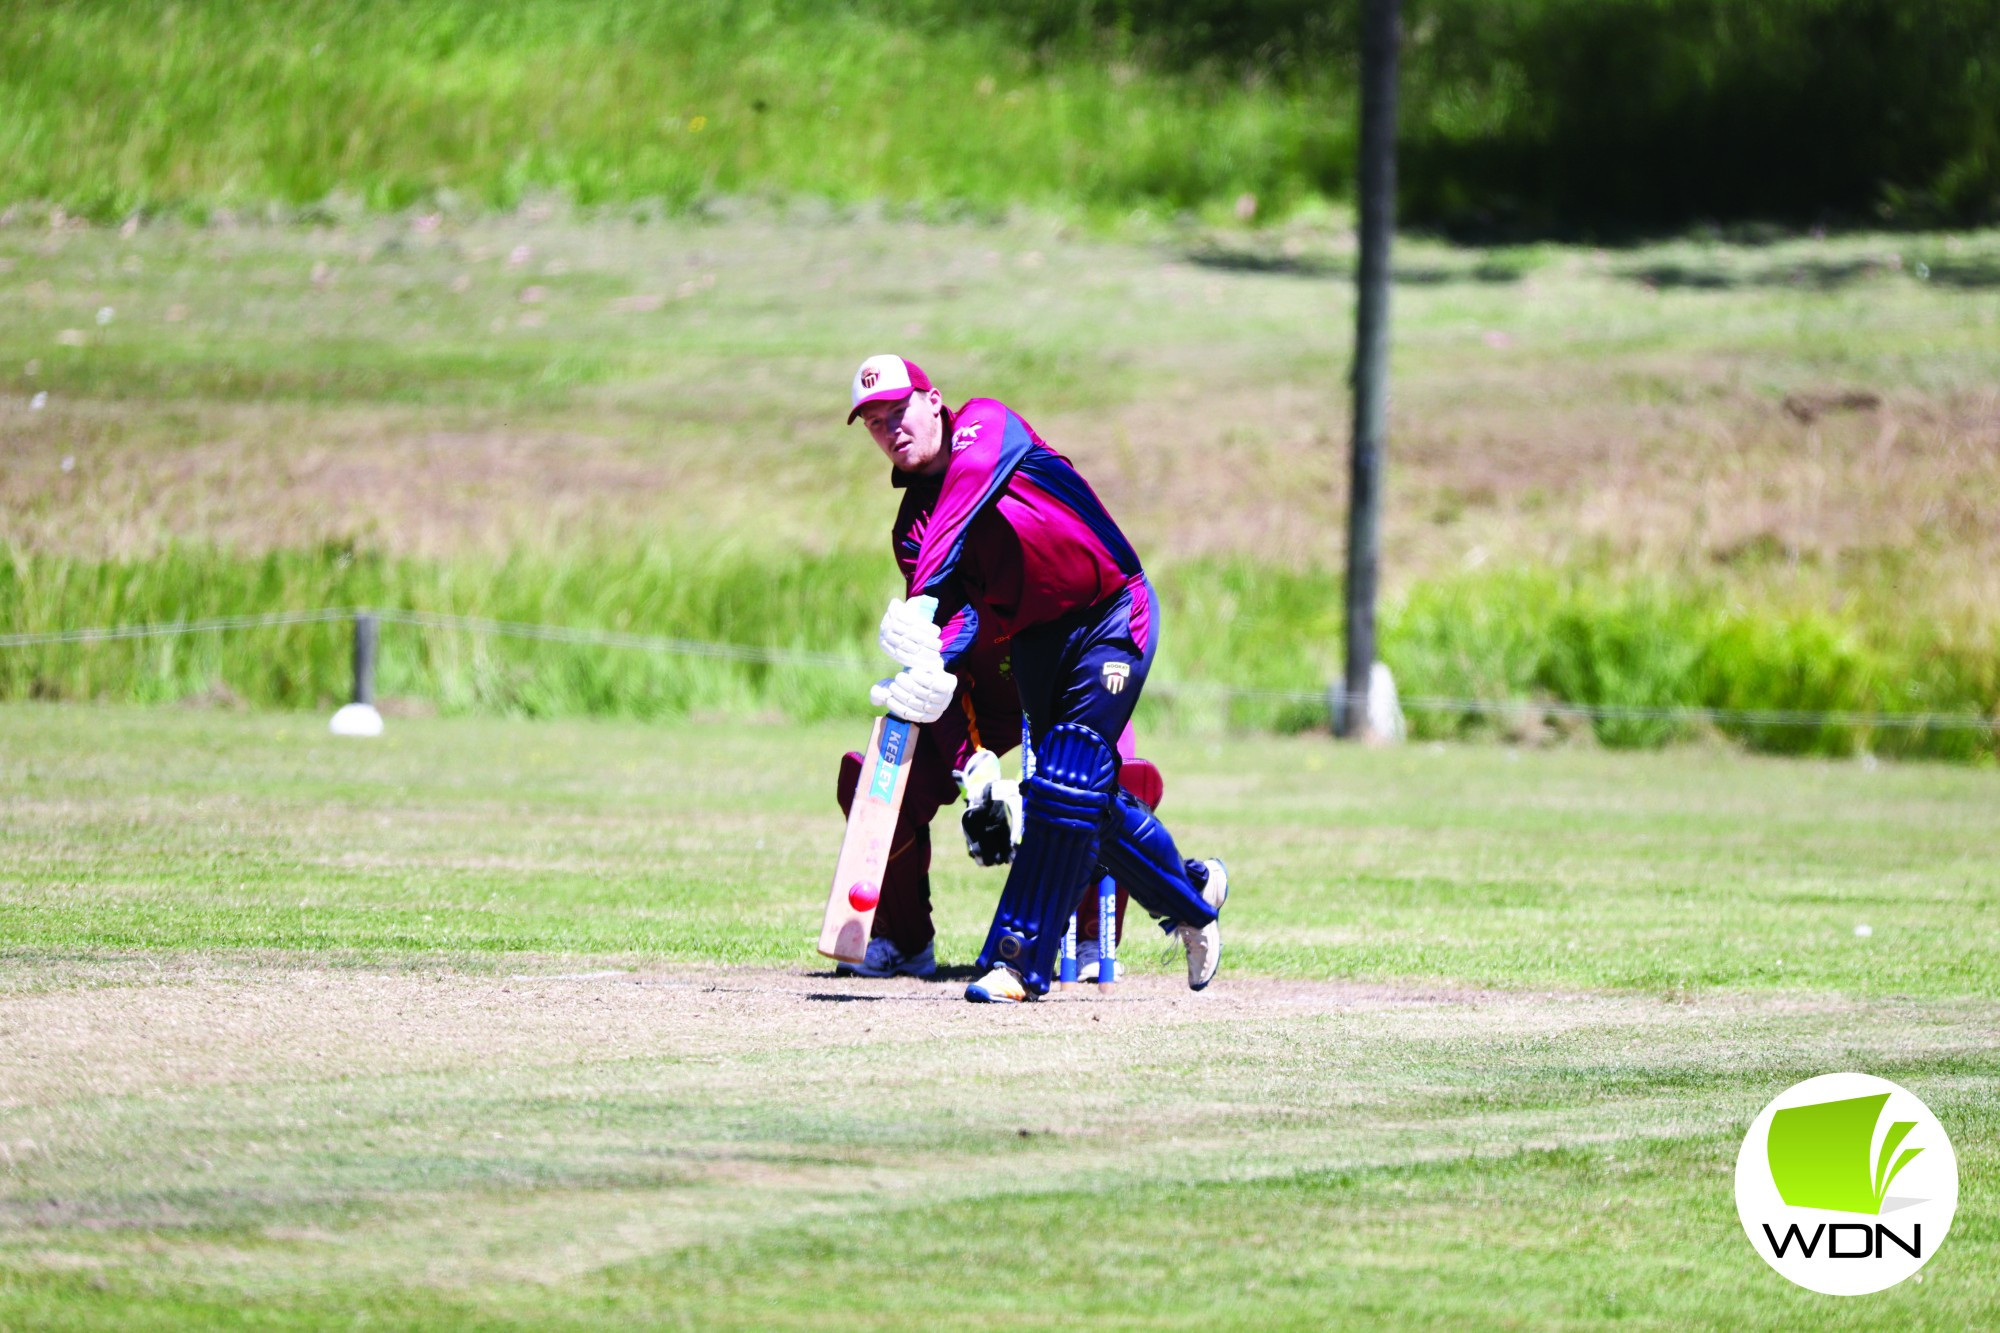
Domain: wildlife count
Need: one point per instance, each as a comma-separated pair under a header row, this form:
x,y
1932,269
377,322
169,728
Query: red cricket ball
x,y
863,896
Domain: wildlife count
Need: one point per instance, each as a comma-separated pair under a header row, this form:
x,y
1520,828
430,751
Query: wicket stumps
x,y
1107,941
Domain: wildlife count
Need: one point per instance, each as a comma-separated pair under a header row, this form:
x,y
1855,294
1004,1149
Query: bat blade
x,y
864,850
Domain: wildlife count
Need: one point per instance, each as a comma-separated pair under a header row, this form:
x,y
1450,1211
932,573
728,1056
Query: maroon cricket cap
x,y
885,378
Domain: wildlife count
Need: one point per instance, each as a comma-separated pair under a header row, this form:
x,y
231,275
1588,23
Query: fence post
x,y
358,717
367,633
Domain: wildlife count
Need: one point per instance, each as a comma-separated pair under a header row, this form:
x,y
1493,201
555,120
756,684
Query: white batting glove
x,y
981,771
918,693
908,634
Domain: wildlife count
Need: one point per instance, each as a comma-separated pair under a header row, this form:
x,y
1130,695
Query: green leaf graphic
x,y
1901,1162
1819,1154
1883,1172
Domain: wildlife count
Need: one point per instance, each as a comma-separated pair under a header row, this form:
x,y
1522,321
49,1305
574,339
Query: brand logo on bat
x,y
1115,676
870,378
1813,1181
895,742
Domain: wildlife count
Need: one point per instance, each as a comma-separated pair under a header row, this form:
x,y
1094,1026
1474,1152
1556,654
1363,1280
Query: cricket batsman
x,y
1019,551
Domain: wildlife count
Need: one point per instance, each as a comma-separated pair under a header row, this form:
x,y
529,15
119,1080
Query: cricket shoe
x,y
884,959
1003,985
1089,959
1204,943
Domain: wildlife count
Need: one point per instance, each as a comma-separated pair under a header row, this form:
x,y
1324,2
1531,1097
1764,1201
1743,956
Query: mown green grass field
x,y
544,312
494,1024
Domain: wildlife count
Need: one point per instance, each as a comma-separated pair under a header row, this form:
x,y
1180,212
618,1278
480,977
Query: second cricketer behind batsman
x,y
1019,550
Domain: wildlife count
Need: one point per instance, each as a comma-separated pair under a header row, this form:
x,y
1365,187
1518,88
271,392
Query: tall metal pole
x,y
1380,37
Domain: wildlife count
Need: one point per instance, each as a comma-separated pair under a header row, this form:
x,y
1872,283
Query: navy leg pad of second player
x,y
1141,853
1064,804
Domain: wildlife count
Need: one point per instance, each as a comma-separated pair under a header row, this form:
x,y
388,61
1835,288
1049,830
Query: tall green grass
x,y
1586,639
798,601
1244,645
110,106
1524,113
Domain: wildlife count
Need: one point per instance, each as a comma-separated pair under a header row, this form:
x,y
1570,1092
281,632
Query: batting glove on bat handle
x,y
908,634
916,694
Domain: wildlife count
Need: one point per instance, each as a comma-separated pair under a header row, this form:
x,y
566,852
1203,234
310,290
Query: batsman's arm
x,y
959,630
988,443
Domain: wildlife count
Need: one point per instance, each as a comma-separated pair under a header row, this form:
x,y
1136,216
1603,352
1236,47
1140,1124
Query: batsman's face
x,y
910,432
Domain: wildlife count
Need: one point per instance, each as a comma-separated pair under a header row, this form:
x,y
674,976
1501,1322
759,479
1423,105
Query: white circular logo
x,y
1846,1184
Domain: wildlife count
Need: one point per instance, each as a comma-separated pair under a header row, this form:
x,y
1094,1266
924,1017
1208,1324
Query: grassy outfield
x,y
468,840
492,1024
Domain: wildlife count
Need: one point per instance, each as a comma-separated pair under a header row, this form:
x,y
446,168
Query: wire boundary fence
x,y
1334,696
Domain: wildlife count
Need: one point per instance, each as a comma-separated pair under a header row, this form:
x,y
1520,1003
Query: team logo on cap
x,y
870,378
1115,675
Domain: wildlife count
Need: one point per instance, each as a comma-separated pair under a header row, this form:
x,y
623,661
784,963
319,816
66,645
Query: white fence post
x,y
359,717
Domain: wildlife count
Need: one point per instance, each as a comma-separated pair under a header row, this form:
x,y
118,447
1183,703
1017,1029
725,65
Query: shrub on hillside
x,y
1576,114
1546,114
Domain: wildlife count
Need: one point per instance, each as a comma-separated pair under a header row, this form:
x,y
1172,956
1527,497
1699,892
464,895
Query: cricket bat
x,y
864,851
871,833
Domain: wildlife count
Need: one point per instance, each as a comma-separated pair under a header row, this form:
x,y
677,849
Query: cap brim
x,y
879,396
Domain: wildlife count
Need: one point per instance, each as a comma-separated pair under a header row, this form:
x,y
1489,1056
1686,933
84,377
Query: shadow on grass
x,y
1495,270
1967,274
945,975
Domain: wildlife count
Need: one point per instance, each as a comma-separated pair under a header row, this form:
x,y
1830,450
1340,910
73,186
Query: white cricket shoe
x,y
884,959
1204,943
1003,985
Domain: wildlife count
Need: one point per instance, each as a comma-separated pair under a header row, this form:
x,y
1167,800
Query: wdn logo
x,y
1826,1154
1874,1241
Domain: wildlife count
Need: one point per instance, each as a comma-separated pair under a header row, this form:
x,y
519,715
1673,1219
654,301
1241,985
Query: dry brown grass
x,y
160,1025
1845,436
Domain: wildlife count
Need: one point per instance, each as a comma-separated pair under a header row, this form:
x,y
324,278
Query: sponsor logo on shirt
x,y
965,435
1115,675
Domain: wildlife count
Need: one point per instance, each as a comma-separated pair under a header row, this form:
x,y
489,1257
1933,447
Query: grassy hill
x,y
1557,117
1747,477
244,104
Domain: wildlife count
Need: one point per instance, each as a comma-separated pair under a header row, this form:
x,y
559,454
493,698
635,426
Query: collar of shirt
x,y
905,481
